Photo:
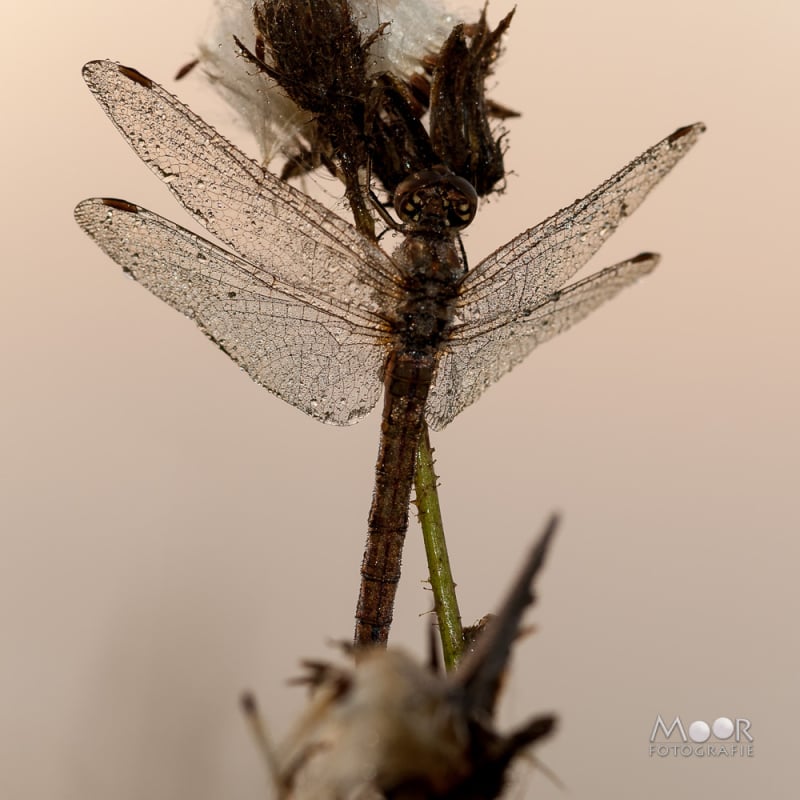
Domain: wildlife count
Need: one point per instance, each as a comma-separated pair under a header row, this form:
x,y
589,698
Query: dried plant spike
x,y
480,671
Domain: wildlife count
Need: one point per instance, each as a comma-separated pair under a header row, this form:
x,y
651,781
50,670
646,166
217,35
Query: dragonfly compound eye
x,y
436,199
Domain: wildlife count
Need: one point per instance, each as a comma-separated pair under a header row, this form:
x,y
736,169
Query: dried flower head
x,y
409,35
389,727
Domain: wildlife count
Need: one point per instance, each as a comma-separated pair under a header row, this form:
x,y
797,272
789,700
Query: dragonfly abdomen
x,y
407,380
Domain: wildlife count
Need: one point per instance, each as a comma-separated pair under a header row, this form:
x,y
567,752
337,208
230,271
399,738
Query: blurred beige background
x,y
171,533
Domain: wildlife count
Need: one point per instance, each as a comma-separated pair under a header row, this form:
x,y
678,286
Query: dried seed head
x,y
402,38
396,725
388,727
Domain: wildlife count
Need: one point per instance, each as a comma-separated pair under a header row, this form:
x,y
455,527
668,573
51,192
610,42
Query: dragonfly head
x,y
436,200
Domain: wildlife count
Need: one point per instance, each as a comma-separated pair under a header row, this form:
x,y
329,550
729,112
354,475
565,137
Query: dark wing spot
x,y
136,76
120,205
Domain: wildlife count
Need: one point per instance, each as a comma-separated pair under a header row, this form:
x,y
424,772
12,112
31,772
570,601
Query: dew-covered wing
x,y
323,357
517,283
262,219
471,363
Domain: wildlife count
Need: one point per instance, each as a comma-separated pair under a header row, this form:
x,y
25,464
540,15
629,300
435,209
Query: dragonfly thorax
x,y
432,269
436,200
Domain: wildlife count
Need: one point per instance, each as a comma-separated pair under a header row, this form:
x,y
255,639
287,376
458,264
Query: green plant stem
x,y
441,577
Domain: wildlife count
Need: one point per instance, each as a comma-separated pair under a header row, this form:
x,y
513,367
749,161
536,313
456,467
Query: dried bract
x,y
460,130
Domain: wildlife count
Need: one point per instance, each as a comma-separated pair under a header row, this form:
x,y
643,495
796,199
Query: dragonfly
x,y
321,316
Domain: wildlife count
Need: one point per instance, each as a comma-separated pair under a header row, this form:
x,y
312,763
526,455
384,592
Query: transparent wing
x,y
518,276
324,357
476,357
261,218
509,303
